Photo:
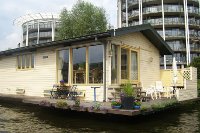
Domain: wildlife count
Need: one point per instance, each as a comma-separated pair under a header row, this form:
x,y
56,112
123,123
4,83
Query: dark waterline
x,y
19,118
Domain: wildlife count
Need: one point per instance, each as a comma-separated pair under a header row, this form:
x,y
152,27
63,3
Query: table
x,y
178,87
94,87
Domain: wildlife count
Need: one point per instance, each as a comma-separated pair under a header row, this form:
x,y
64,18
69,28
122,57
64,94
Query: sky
x,y
11,35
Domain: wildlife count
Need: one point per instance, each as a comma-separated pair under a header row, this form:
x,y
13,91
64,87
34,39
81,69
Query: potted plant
x,y
137,104
116,105
127,96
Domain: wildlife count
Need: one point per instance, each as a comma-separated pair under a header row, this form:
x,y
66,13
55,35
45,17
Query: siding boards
x,y
34,81
149,70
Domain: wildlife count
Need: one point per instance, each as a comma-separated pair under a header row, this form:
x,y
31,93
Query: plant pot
x,y
127,102
116,106
136,107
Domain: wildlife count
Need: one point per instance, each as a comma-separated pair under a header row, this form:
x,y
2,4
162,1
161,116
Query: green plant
x,y
61,104
115,103
77,102
137,103
128,90
96,106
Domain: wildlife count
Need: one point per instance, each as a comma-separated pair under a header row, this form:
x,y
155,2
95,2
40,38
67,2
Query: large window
x,y
114,62
96,64
129,65
124,63
79,65
134,66
63,65
25,61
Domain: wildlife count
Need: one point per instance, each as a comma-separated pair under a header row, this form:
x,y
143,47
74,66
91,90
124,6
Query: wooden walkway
x,y
85,106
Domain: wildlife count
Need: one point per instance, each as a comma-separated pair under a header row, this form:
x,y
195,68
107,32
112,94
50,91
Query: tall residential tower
x,y
177,21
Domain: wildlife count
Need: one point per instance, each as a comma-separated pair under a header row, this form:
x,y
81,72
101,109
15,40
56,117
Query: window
x,y
114,62
124,63
134,66
63,65
79,65
25,61
96,64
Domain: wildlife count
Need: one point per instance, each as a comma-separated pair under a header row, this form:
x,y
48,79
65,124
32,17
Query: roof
x,y
37,16
147,30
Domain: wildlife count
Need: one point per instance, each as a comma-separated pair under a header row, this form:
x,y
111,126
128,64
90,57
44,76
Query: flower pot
x,y
116,106
127,102
136,107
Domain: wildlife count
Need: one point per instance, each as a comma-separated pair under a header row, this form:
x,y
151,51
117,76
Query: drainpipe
x,y
104,70
163,22
126,13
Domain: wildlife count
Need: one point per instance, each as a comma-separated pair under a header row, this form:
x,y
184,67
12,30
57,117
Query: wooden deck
x,y
85,106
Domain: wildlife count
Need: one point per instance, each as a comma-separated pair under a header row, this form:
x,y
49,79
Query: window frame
x,y
19,60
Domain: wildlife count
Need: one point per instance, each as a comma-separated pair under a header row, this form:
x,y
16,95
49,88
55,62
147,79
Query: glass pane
x,y
114,62
63,65
23,61
134,66
19,62
27,61
32,60
96,64
124,64
79,63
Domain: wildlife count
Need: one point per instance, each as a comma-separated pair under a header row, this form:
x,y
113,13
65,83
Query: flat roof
x,y
146,29
37,16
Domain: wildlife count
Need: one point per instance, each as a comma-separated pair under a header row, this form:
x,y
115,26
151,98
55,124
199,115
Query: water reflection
x,y
20,118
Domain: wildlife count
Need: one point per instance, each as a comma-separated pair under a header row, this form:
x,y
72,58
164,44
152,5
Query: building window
x,y
114,64
63,65
134,66
79,65
124,63
96,64
25,61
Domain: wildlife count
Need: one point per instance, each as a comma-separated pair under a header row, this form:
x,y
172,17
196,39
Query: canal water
x,y
18,118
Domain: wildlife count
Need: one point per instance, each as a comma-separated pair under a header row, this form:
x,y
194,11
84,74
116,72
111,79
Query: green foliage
x,y
196,63
83,19
61,104
163,105
128,90
96,106
115,103
137,103
77,102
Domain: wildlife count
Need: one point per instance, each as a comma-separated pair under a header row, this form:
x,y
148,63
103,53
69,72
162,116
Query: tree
x,y
83,19
196,63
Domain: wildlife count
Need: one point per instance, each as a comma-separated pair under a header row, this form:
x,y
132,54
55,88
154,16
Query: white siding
x,y
149,61
34,81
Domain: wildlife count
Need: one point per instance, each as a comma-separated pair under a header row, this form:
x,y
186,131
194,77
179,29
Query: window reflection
x,y
79,65
96,64
134,66
124,63
63,65
114,62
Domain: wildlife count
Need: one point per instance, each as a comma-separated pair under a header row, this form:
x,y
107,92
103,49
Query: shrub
x,y
115,103
61,104
128,90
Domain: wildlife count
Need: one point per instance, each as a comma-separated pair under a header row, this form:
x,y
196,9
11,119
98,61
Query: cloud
x,y
11,40
11,9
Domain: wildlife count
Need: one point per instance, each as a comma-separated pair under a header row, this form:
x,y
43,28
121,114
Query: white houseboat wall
x,y
105,60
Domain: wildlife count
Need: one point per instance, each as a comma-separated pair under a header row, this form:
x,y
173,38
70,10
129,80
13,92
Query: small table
x,y
94,87
178,87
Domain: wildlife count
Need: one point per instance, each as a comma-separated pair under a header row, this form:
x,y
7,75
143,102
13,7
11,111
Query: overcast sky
x,y
10,35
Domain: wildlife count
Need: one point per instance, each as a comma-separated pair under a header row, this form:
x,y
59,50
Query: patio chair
x,y
150,91
159,89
